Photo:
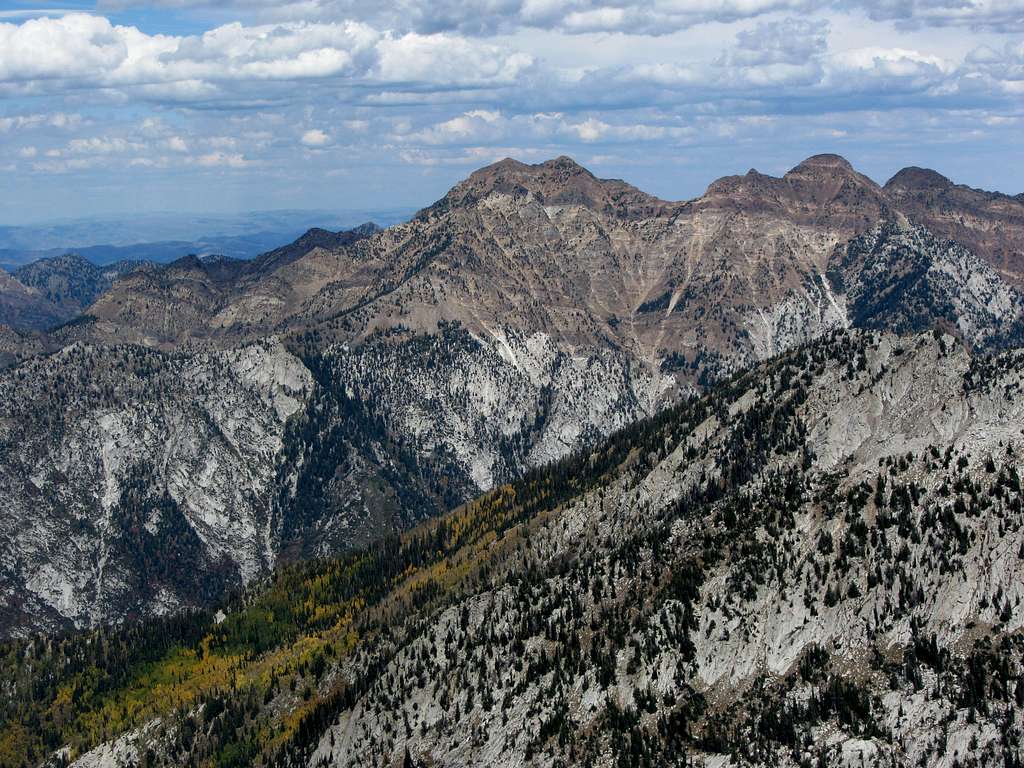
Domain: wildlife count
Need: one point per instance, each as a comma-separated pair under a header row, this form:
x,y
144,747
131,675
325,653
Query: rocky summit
x,y
555,473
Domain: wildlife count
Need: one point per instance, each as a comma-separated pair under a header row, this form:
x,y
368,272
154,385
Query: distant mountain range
x,y
725,481
164,237
62,277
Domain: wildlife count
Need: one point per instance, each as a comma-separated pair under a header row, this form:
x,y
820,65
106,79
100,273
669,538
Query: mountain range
x,y
165,236
554,473
529,313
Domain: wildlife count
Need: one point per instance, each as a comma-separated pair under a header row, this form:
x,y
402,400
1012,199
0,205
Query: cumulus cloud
x,y
1005,66
238,66
473,126
71,47
483,127
177,144
80,49
58,120
489,17
998,15
885,70
99,145
315,138
222,160
652,17
442,58
790,41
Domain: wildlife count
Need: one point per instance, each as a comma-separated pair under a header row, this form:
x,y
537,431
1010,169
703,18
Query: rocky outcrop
x,y
904,279
798,574
136,482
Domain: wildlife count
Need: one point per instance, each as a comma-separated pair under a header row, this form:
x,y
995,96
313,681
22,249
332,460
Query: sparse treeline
x,y
580,613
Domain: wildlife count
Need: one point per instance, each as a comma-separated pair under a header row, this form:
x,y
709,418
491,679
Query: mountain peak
x,y
66,262
566,164
832,177
559,181
914,178
829,164
823,188
325,238
316,237
509,165
366,229
502,175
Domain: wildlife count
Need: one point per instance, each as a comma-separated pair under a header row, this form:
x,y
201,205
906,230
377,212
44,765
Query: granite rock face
x,y
138,482
848,515
817,563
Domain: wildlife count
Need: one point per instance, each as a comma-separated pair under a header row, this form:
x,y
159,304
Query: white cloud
x,y
869,72
653,17
447,59
475,125
103,146
222,160
997,15
230,142
591,130
488,17
58,120
177,144
315,138
485,126
790,41
891,61
85,50
1006,65
73,46
239,66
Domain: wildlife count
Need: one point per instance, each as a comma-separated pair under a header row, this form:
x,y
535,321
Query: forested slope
x,y
817,563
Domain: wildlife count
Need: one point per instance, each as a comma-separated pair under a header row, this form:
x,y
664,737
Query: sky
x,y
123,106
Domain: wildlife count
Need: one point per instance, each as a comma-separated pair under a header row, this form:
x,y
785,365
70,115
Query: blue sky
x,y
190,105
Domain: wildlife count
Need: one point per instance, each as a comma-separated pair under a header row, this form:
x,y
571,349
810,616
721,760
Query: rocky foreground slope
x,y
819,564
530,313
816,563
